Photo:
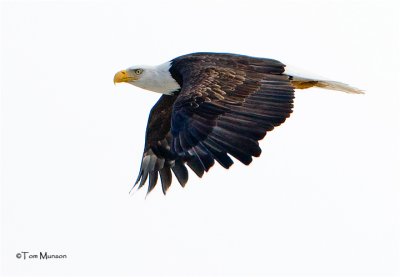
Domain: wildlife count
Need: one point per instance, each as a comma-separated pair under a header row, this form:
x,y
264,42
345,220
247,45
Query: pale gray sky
x,y
323,198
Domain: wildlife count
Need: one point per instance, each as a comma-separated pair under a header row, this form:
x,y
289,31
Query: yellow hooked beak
x,y
123,76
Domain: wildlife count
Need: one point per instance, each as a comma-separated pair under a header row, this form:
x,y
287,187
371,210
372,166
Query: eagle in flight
x,y
214,107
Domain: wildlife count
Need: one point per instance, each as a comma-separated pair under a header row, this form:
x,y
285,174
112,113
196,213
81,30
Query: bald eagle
x,y
214,107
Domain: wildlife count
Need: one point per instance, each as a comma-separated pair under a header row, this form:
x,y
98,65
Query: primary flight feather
x,y
214,107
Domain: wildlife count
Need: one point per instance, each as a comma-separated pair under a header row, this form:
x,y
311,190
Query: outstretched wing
x,y
158,159
226,105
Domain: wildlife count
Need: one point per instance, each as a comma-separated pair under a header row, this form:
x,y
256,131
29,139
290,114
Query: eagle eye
x,y
138,71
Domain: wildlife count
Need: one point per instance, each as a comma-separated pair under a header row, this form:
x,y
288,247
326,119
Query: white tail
x,y
333,85
306,80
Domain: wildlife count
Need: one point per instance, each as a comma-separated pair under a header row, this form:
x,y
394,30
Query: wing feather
x,y
166,178
226,105
181,173
158,159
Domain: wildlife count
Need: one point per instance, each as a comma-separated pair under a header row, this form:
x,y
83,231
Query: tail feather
x,y
302,80
326,84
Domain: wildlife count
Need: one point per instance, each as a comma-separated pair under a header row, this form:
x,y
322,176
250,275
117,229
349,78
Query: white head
x,y
154,78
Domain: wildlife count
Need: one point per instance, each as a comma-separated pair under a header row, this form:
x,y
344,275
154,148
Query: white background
x,y
323,198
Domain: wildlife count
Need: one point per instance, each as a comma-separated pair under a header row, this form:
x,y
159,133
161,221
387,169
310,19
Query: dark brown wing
x,y
158,159
226,105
